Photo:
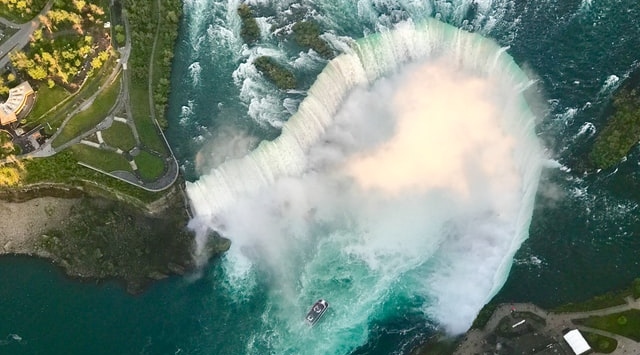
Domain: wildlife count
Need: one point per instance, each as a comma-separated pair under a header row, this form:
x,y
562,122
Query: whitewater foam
x,y
316,228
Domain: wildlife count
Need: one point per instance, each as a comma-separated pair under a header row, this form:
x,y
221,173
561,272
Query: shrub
x,y
621,133
250,31
307,34
622,320
280,76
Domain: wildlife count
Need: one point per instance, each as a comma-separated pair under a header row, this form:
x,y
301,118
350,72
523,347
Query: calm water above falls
x,y
583,237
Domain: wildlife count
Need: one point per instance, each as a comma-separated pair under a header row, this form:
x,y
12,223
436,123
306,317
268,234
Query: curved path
x,y
474,340
123,103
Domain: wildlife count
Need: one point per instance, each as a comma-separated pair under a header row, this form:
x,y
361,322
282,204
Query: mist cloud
x,y
421,182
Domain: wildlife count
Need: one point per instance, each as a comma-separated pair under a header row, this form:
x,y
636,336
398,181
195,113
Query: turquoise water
x,y
583,238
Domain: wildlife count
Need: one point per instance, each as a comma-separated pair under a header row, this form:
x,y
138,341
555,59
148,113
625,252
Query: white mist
x,y
411,166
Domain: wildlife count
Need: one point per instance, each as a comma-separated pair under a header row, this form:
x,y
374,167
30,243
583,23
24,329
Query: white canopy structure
x,y
577,342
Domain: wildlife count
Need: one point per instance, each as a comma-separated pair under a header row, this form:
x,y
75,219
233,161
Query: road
x,y
22,37
555,324
171,171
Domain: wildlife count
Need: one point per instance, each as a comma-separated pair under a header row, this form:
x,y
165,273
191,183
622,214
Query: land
x,y
622,131
619,133
542,331
610,323
29,220
87,177
305,33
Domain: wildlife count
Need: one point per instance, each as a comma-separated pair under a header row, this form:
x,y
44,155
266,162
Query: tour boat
x,y
317,311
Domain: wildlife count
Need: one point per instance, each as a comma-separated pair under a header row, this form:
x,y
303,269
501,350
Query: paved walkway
x,y
555,324
123,103
20,38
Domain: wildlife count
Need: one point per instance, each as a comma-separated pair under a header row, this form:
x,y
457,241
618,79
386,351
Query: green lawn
x,y
57,116
91,116
101,159
150,166
46,100
64,168
147,129
119,135
600,343
625,323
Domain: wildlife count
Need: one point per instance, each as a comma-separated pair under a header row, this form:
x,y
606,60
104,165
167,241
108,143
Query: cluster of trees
x,y
75,14
19,9
20,5
119,34
280,76
8,79
54,60
54,55
249,31
98,60
307,34
621,133
142,34
11,171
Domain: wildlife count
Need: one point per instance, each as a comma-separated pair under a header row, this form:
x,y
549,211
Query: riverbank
x,y
97,238
25,222
515,327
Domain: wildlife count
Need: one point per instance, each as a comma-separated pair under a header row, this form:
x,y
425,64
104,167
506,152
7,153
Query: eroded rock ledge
x,y
98,238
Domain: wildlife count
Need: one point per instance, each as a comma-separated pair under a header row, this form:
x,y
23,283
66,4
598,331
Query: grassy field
x,y
64,168
600,343
99,158
147,129
47,99
625,323
57,116
119,136
150,166
91,116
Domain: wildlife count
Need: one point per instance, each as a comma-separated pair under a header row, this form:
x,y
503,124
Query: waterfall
x,y
306,209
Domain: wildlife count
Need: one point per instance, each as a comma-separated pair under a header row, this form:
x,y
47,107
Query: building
x,y
577,342
16,102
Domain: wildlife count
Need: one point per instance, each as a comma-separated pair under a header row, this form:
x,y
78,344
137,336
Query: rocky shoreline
x,y
93,238
24,222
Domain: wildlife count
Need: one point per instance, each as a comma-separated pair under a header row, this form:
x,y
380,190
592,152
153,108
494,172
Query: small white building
x,y
577,342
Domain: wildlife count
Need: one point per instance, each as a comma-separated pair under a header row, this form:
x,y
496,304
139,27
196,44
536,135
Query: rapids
x,y
409,170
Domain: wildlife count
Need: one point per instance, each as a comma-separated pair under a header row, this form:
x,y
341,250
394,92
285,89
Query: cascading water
x,y
362,240
410,169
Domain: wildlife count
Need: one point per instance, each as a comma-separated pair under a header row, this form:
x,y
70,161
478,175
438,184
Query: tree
x,y
20,60
120,39
96,63
79,4
37,35
250,31
37,72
